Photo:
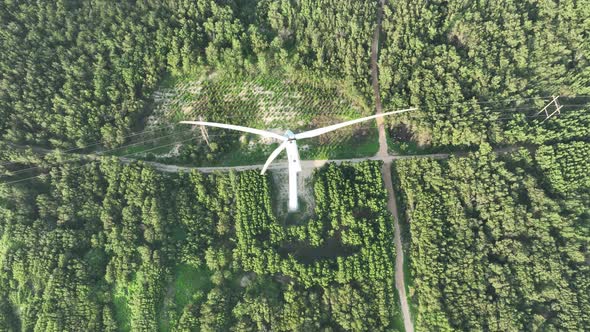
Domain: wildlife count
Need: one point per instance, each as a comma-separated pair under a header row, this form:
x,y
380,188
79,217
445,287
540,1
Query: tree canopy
x,y
491,248
122,247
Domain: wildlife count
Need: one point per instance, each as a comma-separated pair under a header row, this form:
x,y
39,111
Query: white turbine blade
x,y
263,133
273,155
320,131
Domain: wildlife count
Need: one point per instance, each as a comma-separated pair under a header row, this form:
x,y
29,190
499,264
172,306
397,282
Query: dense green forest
x,y
106,247
500,243
447,56
77,72
495,242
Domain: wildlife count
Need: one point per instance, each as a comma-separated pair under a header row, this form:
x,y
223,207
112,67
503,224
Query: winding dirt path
x,y
386,173
280,165
277,165
306,164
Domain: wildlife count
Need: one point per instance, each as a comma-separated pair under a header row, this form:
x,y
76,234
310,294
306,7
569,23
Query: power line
x,y
99,153
140,142
123,156
451,119
151,149
100,142
127,136
471,102
131,135
94,161
122,146
330,135
177,142
110,150
486,111
371,126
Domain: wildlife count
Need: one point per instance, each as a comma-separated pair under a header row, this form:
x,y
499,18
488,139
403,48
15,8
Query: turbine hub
x,y
289,134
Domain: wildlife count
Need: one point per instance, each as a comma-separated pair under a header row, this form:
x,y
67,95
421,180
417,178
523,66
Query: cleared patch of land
x,y
275,102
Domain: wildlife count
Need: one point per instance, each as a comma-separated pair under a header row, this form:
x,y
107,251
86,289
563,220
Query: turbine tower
x,y
289,143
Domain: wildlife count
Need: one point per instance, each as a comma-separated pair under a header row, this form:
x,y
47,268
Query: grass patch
x,y
188,281
265,100
406,244
348,145
398,321
400,141
122,309
244,155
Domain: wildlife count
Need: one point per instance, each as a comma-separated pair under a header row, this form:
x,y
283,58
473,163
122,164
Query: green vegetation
x,y
188,281
90,248
106,247
495,243
79,72
565,166
447,56
350,218
275,101
122,310
269,100
490,249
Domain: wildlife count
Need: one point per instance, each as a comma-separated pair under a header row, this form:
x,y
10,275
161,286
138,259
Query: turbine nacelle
x,y
290,135
289,143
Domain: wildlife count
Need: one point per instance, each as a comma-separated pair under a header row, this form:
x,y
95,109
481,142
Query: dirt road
x,y
277,165
386,173
280,165
375,82
305,164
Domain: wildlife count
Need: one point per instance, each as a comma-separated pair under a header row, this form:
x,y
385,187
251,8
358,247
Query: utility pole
x,y
545,109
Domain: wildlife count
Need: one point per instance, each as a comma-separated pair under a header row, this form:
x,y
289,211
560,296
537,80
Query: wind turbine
x,y
289,142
